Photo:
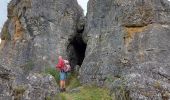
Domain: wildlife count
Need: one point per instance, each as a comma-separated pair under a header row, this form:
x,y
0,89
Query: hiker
x,y
64,67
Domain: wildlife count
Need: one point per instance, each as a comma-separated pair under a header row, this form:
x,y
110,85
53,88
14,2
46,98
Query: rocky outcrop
x,y
128,46
39,87
35,34
38,31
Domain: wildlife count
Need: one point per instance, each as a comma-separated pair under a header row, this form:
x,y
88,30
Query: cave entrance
x,y
76,50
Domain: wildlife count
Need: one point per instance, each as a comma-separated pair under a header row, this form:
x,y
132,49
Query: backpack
x,y
67,66
60,65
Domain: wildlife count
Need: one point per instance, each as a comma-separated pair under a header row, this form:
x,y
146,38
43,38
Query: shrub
x,y
54,73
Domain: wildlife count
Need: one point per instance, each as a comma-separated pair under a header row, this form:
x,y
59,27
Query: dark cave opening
x,y
76,50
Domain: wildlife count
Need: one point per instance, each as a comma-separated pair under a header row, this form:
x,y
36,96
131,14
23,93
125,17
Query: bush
x,y
54,73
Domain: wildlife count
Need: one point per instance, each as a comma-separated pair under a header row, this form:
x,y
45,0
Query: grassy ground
x,y
72,81
75,91
87,93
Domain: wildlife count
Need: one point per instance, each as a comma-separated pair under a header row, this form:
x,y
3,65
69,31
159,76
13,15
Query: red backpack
x,y
60,65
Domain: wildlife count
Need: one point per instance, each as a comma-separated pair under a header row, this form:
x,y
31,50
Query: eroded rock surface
x,y
35,34
128,46
40,87
5,83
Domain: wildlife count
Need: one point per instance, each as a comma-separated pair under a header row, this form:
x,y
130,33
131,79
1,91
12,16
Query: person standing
x,y
60,67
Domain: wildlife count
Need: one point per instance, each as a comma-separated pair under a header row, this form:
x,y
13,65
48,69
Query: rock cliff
x,y
35,34
128,48
120,44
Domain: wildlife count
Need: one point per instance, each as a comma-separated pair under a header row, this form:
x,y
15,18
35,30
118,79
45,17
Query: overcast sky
x,y
83,4
3,10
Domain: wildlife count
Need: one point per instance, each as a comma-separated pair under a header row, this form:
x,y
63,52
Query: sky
x,y
83,4
3,12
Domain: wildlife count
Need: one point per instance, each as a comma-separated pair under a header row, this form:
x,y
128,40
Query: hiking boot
x,y
64,89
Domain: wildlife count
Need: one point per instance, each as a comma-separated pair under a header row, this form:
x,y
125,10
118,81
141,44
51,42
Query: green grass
x,y
84,92
88,93
54,73
72,81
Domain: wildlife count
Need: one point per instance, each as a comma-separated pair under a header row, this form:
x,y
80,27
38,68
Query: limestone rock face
x,y
37,31
128,46
35,34
40,87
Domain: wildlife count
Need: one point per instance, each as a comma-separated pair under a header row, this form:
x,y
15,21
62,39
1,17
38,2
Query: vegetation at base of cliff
x,y
18,92
77,92
72,81
120,89
87,93
54,73
123,93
